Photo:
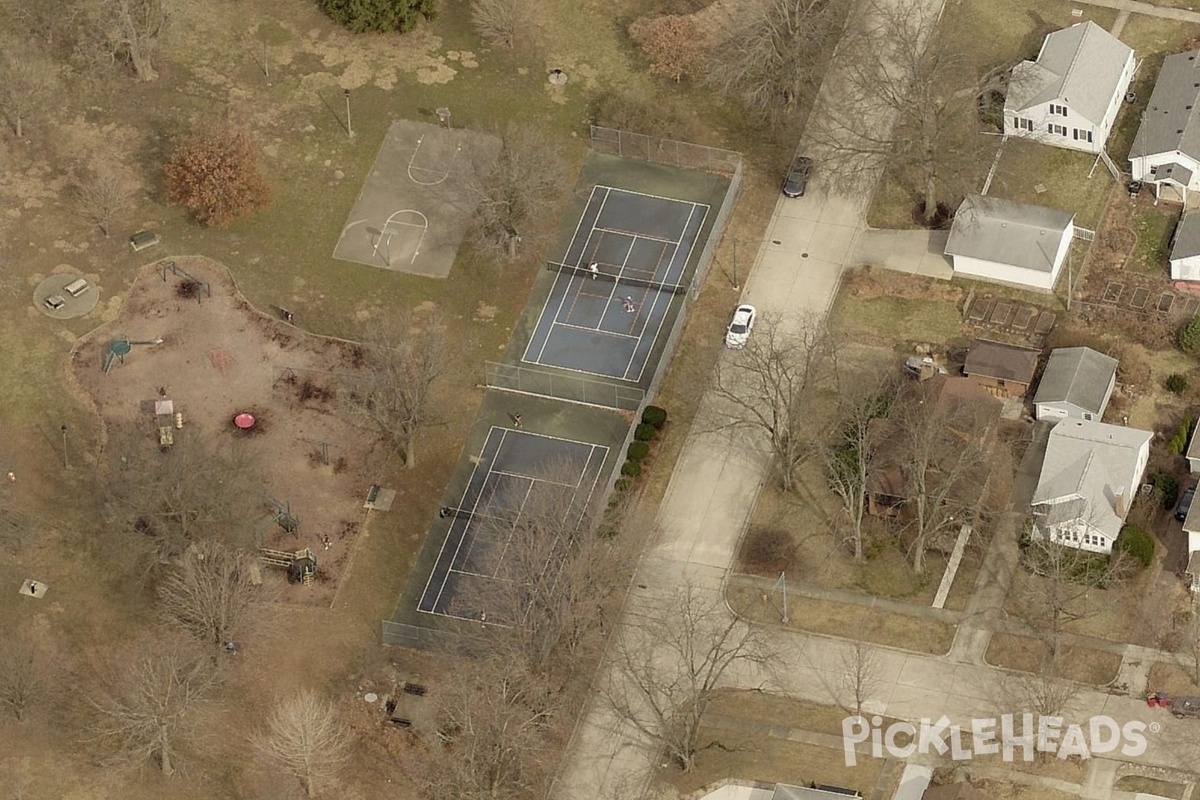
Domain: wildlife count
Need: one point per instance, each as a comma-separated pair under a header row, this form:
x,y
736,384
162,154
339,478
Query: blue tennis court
x,y
625,265
514,471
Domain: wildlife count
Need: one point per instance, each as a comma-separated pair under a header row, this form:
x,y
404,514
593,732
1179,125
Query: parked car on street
x,y
797,177
738,332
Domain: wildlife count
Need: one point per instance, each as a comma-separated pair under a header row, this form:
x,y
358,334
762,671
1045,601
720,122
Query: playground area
x,y
414,207
188,357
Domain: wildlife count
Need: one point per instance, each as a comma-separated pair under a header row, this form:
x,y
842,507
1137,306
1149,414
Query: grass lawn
x,y
1078,664
777,709
845,620
1153,226
757,757
1030,172
895,318
1013,790
1149,36
1145,785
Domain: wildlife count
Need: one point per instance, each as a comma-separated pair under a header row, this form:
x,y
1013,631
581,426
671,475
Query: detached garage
x,y
1011,243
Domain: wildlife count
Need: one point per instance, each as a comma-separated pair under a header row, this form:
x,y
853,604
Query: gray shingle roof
x,y
1090,462
1006,232
1171,121
1187,236
1008,362
1080,65
1076,375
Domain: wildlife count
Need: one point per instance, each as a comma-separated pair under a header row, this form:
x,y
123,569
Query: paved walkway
x,y
919,252
1136,7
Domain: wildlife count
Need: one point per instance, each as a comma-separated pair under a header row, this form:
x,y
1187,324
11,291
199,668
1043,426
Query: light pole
x,y
66,465
349,127
736,242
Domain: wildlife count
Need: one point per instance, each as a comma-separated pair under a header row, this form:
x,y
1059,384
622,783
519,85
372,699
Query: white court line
x,y
600,331
529,478
663,319
442,550
618,232
446,174
593,449
546,307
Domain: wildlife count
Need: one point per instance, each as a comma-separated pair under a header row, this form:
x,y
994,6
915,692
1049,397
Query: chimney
x,y
1119,504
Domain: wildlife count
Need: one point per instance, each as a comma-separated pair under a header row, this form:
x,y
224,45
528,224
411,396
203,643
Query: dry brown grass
x,y
844,620
1014,790
734,754
777,709
1143,784
1172,679
1027,655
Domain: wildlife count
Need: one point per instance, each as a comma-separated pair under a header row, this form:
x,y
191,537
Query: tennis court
x,y
626,262
515,471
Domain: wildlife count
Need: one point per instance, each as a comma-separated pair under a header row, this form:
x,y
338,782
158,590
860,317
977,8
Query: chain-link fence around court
x,y
665,151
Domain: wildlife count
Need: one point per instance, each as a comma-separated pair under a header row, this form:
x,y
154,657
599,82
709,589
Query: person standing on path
x,y
516,418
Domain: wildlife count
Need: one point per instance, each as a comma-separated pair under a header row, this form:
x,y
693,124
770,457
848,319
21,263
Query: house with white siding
x,y
1069,97
1166,150
1008,242
1089,477
1077,383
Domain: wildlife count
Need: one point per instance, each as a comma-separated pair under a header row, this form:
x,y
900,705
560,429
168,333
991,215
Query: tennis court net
x,y
621,278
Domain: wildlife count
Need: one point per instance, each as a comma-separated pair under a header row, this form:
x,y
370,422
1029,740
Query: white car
x,y
738,332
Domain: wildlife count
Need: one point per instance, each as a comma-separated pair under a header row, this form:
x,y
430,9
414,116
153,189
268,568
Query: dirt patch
x,y
220,357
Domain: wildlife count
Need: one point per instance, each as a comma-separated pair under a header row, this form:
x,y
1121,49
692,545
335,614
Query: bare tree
x,y
508,191
860,674
395,398
674,43
306,737
773,53
497,730
1064,579
900,66
145,710
501,22
25,668
555,567
850,452
164,498
26,79
212,594
1044,692
133,30
670,661
103,195
777,387
941,441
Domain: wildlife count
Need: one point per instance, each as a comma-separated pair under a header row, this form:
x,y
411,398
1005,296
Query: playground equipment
x,y
301,565
165,416
281,513
119,347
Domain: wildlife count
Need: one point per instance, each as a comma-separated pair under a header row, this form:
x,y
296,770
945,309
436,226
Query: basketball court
x,y
511,473
412,212
625,264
